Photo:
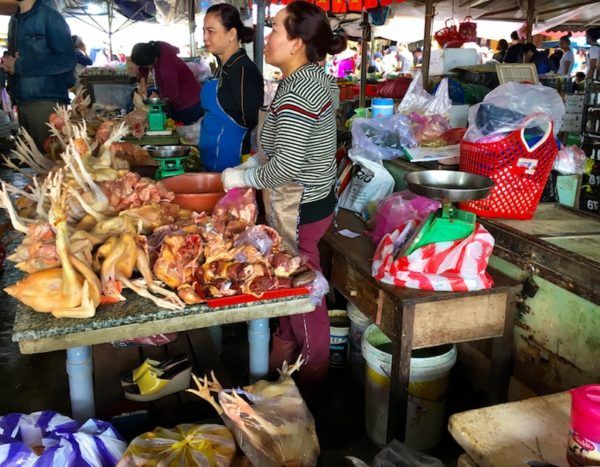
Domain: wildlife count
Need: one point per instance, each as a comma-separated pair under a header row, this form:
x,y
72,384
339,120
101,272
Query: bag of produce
x,y
380,139
48,438
420,101
185,445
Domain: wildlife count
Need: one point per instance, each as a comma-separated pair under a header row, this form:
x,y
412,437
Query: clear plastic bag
x,y
48,438
570,160
513,106
382,138
238,203
318,288
396,210
420,101
397,454
429,129
186,444
258,237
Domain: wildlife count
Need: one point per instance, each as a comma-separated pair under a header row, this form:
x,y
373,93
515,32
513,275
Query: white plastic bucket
x,y
429,375
358,324
339,333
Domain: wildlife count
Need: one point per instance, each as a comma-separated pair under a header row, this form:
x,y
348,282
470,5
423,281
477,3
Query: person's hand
x,y
250,163
8,63
233,178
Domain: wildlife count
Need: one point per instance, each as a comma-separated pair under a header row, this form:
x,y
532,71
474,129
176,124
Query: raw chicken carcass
x,y
275,428
178,259
238,203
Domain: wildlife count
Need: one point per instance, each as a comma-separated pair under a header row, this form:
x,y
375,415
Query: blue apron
x,y
221,137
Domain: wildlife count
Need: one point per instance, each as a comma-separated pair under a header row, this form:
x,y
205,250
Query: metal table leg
x,y
258,340
81,383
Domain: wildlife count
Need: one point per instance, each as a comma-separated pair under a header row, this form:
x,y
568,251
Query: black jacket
x,y
241,90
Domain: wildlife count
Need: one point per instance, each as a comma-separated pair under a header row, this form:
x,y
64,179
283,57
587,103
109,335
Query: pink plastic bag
x,y
457,266
151,341
238,203
395,210
428,129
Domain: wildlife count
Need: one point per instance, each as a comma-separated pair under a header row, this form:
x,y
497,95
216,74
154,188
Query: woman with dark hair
x,y
232,99
592,37
175,81
297,169
567,60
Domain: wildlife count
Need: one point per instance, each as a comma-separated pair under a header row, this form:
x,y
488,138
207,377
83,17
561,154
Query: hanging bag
x,y
448,34
468,29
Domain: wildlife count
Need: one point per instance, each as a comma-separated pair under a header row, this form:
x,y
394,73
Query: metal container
x,y
167,152
448,185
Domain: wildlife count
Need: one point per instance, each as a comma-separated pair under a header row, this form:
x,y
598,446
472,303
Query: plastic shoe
x,y
150,386
129,378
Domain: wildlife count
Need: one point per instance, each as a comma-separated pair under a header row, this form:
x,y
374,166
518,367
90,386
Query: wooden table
x,y
512,434
415,319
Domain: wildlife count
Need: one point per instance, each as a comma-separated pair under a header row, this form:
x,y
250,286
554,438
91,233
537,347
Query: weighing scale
x,y
169,159
157,118
448,223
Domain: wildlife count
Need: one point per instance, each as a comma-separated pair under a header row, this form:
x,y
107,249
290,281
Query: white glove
x,y
233,178
250,163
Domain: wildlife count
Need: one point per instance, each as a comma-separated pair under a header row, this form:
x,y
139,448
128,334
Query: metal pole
x,y
259,34
429,14
110,10
192,26
530,18
364,62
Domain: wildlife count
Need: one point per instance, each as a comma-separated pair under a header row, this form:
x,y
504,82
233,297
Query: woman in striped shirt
x,y
296,168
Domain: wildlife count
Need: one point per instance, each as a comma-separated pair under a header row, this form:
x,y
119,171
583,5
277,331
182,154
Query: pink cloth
x,y
308,333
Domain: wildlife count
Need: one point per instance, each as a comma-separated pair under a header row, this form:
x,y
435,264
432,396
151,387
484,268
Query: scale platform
x,y
169,159
449,223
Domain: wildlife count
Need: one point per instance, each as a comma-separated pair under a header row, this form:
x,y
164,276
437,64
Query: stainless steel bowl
x,y
449,185
165,152
157,100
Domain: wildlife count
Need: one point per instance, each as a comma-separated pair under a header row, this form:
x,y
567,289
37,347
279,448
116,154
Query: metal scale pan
x,y
449,185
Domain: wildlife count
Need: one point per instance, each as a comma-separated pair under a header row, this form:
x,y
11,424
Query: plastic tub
x,y
429,375
358,324
196,191
584,435
339,332
382,107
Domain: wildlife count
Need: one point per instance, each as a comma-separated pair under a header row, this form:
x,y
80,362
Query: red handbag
x,y
468,29
447,34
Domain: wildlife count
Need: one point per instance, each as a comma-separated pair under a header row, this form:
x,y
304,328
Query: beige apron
x,y
282,204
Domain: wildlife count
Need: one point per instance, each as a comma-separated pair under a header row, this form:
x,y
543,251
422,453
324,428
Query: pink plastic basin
x,y
585,411
196,191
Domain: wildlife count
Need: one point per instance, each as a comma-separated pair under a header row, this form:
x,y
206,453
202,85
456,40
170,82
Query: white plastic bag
x,y
513,106
420,101
370,182
570,160
397,454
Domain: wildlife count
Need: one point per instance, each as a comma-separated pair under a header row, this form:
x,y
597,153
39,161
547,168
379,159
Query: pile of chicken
x,y
270,420
92,228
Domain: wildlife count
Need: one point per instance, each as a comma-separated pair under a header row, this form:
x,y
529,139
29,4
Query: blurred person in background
x,y
592,36
567,61
418,57
542,62
405,59
390,60
514,54
83,60
501,51
556,57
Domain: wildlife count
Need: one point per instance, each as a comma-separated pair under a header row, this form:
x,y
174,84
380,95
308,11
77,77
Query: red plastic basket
x,y
518,171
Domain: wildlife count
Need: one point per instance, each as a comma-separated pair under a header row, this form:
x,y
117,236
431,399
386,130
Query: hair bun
x,y
338,44
246,35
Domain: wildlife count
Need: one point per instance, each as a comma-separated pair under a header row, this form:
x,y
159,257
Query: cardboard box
x,y
572,122
574,103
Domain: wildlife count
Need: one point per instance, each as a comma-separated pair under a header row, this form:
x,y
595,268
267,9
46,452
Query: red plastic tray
x,y
245,298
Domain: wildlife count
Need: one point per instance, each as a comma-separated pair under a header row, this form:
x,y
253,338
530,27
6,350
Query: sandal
x,y
129,378
151,386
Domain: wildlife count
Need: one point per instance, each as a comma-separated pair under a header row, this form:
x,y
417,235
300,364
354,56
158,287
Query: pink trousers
x,y
306,334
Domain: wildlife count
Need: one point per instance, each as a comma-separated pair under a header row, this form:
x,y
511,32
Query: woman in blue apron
x,y
232,98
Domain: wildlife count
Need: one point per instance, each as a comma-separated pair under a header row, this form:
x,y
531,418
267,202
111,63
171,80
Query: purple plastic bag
x,y
396,210
258,237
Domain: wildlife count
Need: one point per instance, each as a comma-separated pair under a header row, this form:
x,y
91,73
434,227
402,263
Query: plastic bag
x,y
457,266
428,130
370,181
238,203
153,341
395,210
186,444
318,288
420,101
48,438
397,454
570,160
258,237
382,138
513,106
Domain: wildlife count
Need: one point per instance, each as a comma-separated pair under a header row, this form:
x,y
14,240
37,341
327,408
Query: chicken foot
x,y
203,390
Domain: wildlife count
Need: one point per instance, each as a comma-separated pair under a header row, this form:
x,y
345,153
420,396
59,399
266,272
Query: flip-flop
x,y
150,386
129,378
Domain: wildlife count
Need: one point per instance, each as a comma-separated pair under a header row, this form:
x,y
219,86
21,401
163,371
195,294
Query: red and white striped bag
x,y
457,266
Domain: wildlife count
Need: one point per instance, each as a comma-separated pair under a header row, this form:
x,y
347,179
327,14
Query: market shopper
x,y
233,98
592,37
568,59
297,174
40,64
83,60
514,54
174,79
500,54
542,62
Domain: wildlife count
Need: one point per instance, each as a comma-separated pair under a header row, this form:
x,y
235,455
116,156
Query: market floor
x,y
29,383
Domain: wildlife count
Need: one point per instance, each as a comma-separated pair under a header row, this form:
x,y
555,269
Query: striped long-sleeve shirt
x,y
299,136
